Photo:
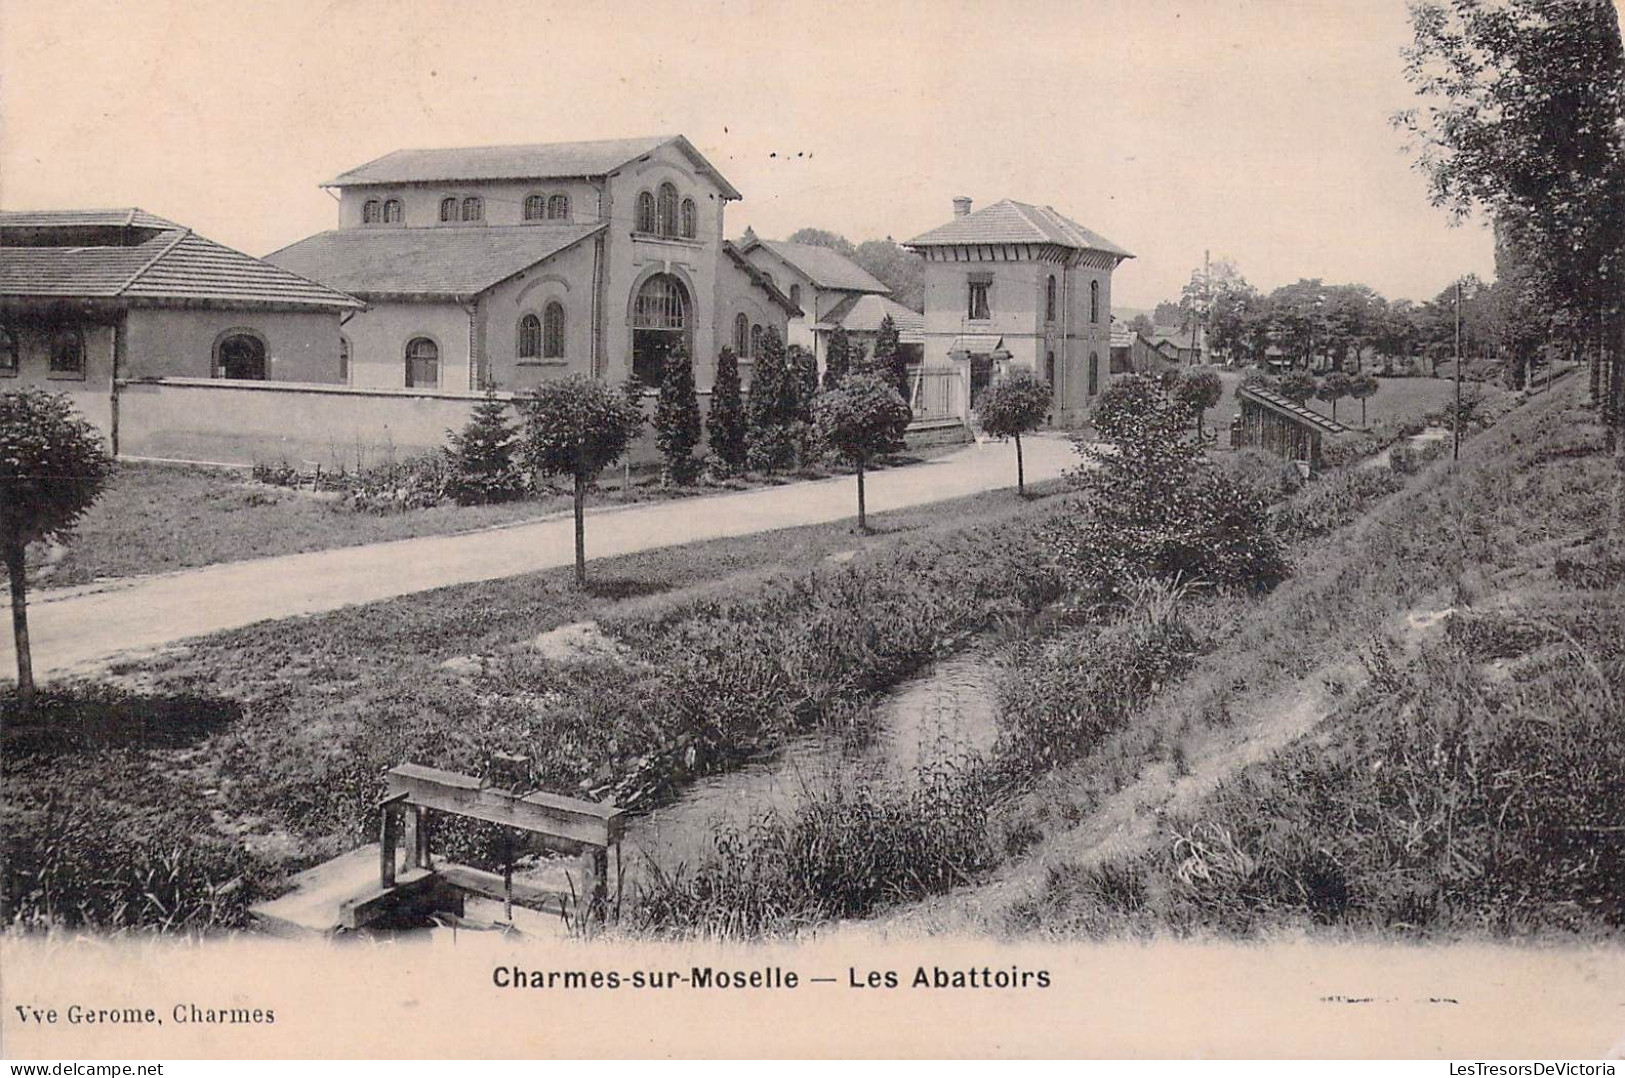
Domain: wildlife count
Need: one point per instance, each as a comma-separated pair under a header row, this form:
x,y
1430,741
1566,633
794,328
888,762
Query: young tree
x,y
1297,386
481,456
677,418
837,357
771,411
1198,389
725,425
52,468
577,426
802,383
1013,406
1362,387
860,419
1333,388
889,360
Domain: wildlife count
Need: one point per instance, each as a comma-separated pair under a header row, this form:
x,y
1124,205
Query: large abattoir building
x,y
1014,284
502,266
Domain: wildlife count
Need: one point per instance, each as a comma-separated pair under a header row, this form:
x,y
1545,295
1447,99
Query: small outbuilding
x,y
1281,426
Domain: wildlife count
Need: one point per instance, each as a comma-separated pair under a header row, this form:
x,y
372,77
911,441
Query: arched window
x,y
530,337
10,362
660,322
690,219
448,209
1049,299
535,207
242,356
344,359
422,364
553,331
394,212
668,209
473,208
370,211
646,212
742,337
1094,373
558,207
755,340
795,295
1094,303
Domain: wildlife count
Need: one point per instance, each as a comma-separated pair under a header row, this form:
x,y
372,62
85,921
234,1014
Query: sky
x,y
1254,129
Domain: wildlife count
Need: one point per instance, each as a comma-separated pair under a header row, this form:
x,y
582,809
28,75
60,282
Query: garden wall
x,y
216,422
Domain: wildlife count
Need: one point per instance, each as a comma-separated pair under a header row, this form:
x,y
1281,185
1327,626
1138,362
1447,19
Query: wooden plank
x,y
379,902
531,893
549,814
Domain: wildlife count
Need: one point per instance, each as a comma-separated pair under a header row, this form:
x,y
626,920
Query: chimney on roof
x,y
748,238
962,206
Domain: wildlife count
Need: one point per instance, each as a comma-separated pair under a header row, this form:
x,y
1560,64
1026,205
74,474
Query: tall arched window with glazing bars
x,y
690,221
1049,299
558,207
535,207
530,337
646,212
448,209
668,209
741,336
553,331
1094,301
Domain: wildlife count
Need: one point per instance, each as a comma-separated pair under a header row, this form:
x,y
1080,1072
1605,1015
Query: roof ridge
x,y
149,263
1022,208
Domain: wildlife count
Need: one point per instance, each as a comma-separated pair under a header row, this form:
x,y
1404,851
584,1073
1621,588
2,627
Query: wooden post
x,y
598,903
416,837
388,836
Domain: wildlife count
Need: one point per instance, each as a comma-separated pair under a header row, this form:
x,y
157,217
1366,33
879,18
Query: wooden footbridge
x,y
399,881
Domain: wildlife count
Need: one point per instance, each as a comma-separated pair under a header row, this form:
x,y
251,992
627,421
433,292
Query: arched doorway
x,y
241,355
660,319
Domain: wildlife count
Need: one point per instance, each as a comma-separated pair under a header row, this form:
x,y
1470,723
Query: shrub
x,y
1260,474
1297,386
414,483
1341,452
725,423
677,419
1408,458
480,457
1333,501
773,408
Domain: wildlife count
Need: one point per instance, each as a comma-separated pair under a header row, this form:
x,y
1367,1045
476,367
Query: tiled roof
x,y
441,261
1298,411
1122,335
826,268
1179,338
863,314
977,344
1016,222
533,161
760,279
171,264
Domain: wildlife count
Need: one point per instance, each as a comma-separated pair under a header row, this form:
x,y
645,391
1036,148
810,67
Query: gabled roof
x,y
864,313
1016,222
442,261
1301,413
823,266
1179,338
163,262
760,279
1122,335
530,161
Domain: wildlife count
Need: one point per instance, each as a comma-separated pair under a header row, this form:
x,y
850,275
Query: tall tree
x,y
725,423
52,469
837,357
677,418
889,360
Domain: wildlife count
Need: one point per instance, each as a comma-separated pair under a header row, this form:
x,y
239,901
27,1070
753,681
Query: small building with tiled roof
x,y
504,266
1016,285
1282,426
91,300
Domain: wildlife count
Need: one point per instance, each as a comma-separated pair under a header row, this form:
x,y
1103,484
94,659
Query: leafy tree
x,y
481,456
822,237
677,418
889,360
837,357
577,426
1154,508
1333,388
1298,319
1362,387
898,268
53,467
1297,386
860,419
1014,405
1523,117
725,424
1198,389
1142,325
1167,314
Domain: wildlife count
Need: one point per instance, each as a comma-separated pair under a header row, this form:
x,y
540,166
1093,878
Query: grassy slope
x,y
1333,763
1398,400
274,737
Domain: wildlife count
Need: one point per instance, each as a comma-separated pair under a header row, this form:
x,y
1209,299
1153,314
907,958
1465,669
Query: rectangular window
x,y
977,309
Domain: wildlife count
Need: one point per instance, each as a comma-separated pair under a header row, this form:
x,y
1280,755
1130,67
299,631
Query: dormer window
x,y
371,211
690,219
473,208
394,212
448,210
558,207
535,207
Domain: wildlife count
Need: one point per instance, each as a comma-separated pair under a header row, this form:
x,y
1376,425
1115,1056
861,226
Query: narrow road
x,y
77,630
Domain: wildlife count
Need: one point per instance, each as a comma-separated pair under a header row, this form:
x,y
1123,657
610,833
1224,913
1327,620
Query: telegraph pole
x,y
1455,421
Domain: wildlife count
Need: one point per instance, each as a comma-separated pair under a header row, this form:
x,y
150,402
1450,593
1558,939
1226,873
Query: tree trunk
x,y
863,520
1021,471
1363,423
19,620
581,530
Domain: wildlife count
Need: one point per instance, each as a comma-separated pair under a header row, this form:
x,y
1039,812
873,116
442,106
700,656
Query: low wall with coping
x,y
218,422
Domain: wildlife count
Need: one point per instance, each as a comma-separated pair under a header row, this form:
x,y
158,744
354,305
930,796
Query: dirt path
x,y
1132,820
80,630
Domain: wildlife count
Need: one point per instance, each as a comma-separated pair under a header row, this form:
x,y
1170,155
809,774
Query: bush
x,y
1342,452
725,423
414,483
1408,458
1260,474
1333,501
677,419
480,457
